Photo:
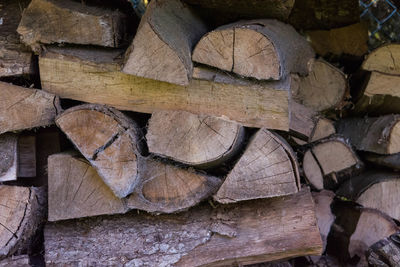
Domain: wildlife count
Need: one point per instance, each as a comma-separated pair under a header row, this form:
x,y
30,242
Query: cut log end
x,y
385,59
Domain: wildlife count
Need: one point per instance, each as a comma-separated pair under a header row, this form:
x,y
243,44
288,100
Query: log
x,y
23,108
384,59
94,77
385,252
164,188
109,140
22,212
198,237
50,21
244,47
323,212
317,15
26,155
197,140
390,161
15,261
349,40
267,168
324,89
378,134
374,189
163,44
16,59
76,190
8,157
329,162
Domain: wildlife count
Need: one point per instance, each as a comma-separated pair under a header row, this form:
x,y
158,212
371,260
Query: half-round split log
x,y
21,214
197,140
162,47
268,168
384,59
109,140
165,188
330,162
262,49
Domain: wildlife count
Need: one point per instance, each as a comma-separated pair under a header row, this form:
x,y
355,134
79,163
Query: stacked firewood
x,y
214,132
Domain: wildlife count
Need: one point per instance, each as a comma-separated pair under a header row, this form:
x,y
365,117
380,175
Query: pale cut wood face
x,y
384,59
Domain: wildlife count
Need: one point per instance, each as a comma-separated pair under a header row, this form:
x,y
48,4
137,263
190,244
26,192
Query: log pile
x,y
248,138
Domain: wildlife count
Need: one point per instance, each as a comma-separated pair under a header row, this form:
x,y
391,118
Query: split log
x,y
16,58
109,140
374,189
50,21
26,155
390,161
23,108
76,190
350,40
245,47
379,135
22,212
197,140
330,162
164,188
198,237
15,261
8,157
268,168
385,253
163,44
323,212
94,77
323,89
384,59
317,15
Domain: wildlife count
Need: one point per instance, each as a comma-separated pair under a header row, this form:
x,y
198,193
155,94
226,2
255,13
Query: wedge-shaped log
x,y
51,21
16,59
76,190
374,189
262,49
109,140
23,108
268,168
8,157
384,59
198,237
329,162
163,44
323,89
379,134
165,188
93,76
198,140
22,211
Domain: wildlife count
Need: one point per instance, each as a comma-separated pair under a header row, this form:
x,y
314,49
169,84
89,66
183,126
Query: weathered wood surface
x,y
16,59
244,48
76,190
51,21
24,108
329,162
22,211
378,134
384,59
323,89
374,189
164,188
229,234
8,157
385,252
26,155
267,168
163,44
349,40
15,261
94,77
109,140
198,140
390,161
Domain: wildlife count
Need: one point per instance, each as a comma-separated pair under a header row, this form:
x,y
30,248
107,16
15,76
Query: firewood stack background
x,y
197,133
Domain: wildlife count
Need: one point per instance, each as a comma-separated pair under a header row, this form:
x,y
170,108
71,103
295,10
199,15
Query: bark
x,y
8,157
198,237
93,76
379,134
385,253
267,168
163,44
197,140
109,140
384,59
26,155
15,261
245,46
23,108
50,21
330,162
390,161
